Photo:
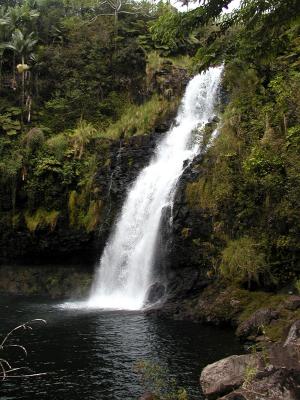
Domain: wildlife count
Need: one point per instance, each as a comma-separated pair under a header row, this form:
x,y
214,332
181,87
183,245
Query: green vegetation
x,y
41,219
242,261
141,119
73,79
78,80
156,381
249,180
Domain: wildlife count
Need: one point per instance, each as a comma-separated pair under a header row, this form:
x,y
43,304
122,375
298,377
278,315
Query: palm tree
x,y
19,17
23,46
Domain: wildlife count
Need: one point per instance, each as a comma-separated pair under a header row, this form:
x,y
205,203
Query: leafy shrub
x,y
261,162
41,219
140,119
9,121
91,219
243,261
34,139
158,382
297,285
72,206
81,136
58,145
293,137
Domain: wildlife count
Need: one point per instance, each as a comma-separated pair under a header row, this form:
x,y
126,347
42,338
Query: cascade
x,y
125,269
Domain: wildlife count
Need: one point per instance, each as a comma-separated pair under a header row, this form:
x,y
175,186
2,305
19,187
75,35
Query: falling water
x,y
124,272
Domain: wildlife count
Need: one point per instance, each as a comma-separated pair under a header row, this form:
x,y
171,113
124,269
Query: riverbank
x,y
269,326
256,316
47,281
95,352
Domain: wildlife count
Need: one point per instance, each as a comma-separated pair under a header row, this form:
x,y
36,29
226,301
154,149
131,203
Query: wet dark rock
x,y
184,283
56,282
225,375
155,293
169,80
234,396
257,320
293,337
293,303
118,166
275,375
279,384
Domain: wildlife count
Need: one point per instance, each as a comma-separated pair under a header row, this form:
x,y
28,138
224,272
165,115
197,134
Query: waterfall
x,y
124,272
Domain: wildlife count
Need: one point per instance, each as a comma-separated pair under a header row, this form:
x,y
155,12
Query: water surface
x,y
90,354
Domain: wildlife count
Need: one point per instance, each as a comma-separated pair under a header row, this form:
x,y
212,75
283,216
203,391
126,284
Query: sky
x,y
234,4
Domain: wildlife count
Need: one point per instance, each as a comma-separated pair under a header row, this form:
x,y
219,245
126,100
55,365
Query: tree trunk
x,y
116,28
23,83
23,95
1,65
14,82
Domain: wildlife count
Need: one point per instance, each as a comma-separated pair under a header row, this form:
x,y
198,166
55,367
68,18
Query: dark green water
x,y
91,354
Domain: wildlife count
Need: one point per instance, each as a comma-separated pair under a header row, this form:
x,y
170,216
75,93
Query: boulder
x,y
293,303
257,320
293,337
236,395
155,293
279,379
277,384
226,375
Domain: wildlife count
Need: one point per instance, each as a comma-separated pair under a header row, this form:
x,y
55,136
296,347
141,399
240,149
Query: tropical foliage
x,y
76,76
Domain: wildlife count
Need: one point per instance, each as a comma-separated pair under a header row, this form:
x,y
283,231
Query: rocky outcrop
x,y
118,164
293,303
190,241
253,325
273,374
155,293
56,282
225,375
293,337
272,384
169,80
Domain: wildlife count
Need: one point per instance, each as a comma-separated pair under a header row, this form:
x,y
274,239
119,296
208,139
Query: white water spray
x,y
124,272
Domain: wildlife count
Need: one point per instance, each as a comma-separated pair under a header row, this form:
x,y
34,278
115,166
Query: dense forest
x,y
74,78
79,77
87,89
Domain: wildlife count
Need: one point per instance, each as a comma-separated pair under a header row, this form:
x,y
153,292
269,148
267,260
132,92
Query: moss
x,y
91,219
250,302
193,194
81,136
58,145
243,261
72,207
253,301
56,282
107,162
185,233
155,62
15,220
216,184
219,304
40,219
140,119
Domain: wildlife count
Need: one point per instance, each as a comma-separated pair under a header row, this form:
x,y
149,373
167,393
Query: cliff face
x,y
69,243
60,204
